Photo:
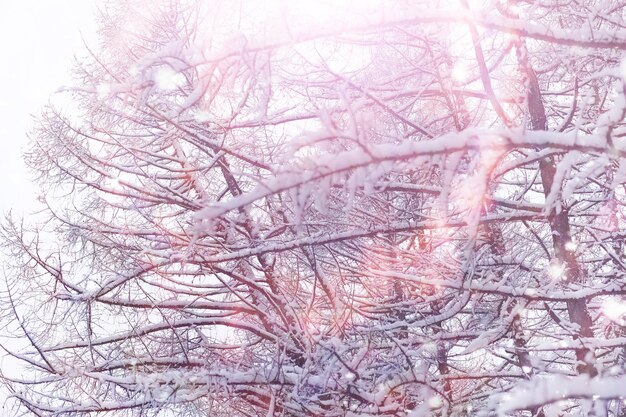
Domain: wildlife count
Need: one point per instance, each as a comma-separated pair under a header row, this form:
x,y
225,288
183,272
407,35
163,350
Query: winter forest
x,y
401,208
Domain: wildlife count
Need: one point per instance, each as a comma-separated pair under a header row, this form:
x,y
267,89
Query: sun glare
x,y
460,73
556,270
324,12
615,310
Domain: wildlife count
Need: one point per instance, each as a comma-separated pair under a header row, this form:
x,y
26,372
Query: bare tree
x,y
419,211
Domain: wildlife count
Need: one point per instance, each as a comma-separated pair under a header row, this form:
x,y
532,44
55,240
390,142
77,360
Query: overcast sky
x,y
38,39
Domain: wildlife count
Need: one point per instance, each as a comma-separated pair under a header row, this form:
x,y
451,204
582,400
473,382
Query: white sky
x,y
38,39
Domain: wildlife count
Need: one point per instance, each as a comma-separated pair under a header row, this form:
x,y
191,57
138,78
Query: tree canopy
x,y
391,208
